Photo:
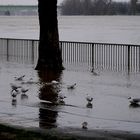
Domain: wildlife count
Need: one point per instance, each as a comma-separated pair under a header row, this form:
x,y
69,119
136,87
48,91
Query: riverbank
x,y
18,133
21,133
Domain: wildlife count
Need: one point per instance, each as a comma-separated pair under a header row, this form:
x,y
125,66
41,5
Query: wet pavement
x,y
40,107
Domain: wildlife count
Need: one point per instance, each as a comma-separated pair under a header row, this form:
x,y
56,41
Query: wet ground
x,y
40,107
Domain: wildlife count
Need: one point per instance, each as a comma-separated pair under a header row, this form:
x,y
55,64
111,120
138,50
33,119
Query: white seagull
x,y
84,125
14,94
54,82
89,99
134,101
14,87
61,98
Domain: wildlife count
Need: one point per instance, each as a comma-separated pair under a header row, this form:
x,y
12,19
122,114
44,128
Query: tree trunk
x,y
49,52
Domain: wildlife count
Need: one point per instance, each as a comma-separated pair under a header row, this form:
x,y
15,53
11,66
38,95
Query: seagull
x,y
84,125
94,73
19,78
14,87
61,98
89,99
54,82
71,86
14,94
134,101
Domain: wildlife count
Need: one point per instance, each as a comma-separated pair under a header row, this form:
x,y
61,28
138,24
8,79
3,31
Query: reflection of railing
x,y
120,57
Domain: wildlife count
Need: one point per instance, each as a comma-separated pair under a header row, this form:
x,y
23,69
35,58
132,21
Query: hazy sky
x,y
29,1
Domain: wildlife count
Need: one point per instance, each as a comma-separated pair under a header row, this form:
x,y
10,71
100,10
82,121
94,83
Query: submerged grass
x,y
12,133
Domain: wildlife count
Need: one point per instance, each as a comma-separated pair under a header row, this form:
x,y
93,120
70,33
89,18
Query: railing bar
x,y
131,50
104,55
139,58
67,51
95,54
121,58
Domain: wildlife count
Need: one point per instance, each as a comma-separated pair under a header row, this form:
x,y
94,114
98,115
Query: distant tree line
x,y
99,7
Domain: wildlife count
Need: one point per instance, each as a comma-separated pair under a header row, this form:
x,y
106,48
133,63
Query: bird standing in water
x,y
14,94
15,87
61,99
134,101
84,125
54,82
89,98
71,86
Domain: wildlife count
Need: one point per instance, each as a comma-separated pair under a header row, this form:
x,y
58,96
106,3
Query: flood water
x,y
100,29
110,90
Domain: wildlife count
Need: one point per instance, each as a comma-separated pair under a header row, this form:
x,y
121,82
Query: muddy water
x,y
40,106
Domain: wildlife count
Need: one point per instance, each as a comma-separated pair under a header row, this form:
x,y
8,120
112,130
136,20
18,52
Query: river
x,y
105,29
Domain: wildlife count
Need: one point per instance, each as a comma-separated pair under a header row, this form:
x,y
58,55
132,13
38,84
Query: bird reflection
x,y
48,92
89,105
24,97
14,102
134,105
128,78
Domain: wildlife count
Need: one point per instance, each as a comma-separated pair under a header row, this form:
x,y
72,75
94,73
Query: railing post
x,y
32,43
139,58
7,51
128,58
92,60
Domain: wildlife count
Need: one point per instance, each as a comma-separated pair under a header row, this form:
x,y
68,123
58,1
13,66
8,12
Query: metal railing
x,y
120,57
19,50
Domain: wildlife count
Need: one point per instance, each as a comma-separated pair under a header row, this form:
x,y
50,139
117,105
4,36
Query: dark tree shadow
x,y
47,118
48,92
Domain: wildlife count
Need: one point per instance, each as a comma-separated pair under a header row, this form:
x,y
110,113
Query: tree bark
x,y
49,52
